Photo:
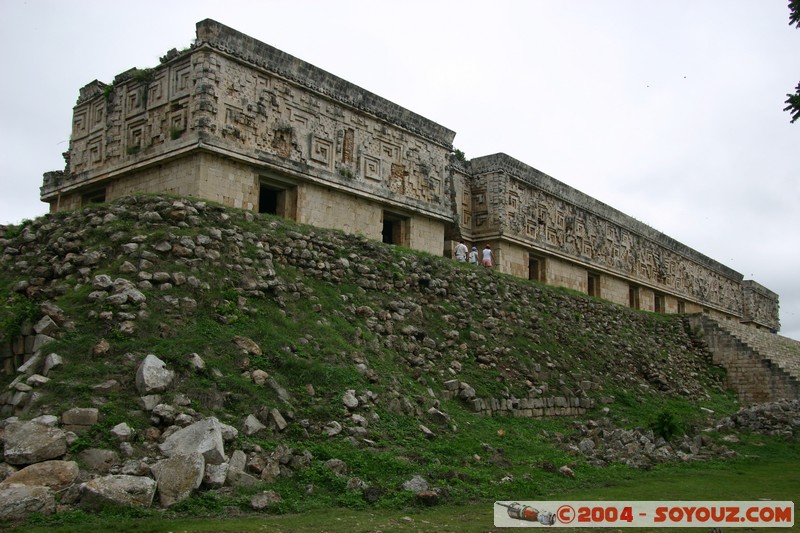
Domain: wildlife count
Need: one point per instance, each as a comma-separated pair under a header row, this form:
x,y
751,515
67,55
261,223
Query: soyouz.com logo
x,y
706,514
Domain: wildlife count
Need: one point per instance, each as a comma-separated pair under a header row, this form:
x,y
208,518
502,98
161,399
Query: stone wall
x,y
580,234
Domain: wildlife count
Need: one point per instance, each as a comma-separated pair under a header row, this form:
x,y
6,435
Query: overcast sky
x,y
670,111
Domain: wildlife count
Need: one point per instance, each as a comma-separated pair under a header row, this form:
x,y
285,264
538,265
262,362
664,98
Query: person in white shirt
x,y
461,252
487,256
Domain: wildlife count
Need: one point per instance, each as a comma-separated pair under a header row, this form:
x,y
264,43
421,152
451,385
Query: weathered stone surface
x,y
265,499
196,362
32,366
236,475
438,416
80,416
178,477
349,399
259,376
337,466
52,361
121,490
122,432
18,501
416,484
153,376
215,475
32,442
56,475
247,345
277,419
98,459
204,437
46,326
252,425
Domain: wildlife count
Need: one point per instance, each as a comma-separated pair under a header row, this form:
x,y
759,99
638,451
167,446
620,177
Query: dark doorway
x,y
633,297
277,199
268,200
395,229
97,196
593,285
535,268
659,303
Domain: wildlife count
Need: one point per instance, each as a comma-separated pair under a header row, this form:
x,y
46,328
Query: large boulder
x,y
120,490
56,475
18,501
33,442
204,437
178,477
153,376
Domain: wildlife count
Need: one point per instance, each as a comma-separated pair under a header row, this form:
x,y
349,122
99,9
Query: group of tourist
x,y
463,254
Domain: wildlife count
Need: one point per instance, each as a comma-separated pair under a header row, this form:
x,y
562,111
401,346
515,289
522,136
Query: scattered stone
x,y
31,442
178,477
204,437
349,399
98,459
51,362
259,377
247,345
252,425
80,416
438,417
427,432
196,362
56,475
428,497
277,419
18,501
265,499
121,490
153,376
416,484
122,432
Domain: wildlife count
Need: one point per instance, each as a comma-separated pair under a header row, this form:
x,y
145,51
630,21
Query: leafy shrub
x,y
665,425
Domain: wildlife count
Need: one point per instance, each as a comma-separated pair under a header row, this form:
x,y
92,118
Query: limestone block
x,y
56,475
80,416
215,475
277,419
31,366
153,376
32,442
122,432
18,501
98,459
178,477
123,490
252,425
204,437
45,326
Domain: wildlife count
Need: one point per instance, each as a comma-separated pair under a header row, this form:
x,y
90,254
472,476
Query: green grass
x,y
775,478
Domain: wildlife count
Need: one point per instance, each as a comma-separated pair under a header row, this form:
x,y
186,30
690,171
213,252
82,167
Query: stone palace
x,y
236,121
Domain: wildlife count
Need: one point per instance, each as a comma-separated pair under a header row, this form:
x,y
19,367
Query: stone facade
x,y
236,121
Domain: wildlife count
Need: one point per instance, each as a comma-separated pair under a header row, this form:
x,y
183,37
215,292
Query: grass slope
x,y
313,329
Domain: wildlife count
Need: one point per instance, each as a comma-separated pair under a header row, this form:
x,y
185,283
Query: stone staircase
x,y
761,366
